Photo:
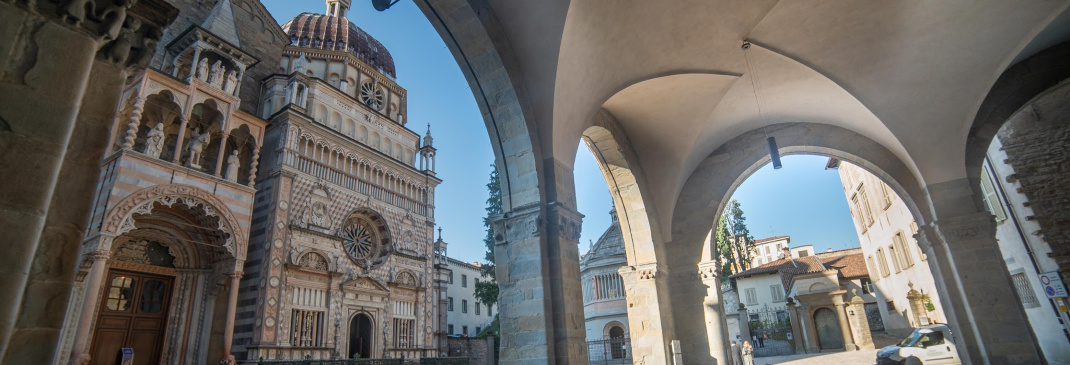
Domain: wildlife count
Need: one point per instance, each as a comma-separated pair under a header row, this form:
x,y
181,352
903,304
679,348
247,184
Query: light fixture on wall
x,y
759,99
382,5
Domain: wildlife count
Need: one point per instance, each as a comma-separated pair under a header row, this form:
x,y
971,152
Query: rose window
x,y
359,241
372,95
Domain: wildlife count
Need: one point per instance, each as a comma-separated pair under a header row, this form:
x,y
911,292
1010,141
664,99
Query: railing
x,y
347,180
459,360
609,351
398,361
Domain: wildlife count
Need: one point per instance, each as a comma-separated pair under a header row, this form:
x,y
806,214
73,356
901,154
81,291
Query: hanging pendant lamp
x,y
759,99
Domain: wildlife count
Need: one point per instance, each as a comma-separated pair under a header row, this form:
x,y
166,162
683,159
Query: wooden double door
x,y
132,314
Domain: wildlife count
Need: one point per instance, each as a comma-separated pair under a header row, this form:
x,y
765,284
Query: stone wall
x,y
1037,143
479,349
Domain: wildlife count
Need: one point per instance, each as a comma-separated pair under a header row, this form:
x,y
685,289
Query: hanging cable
x,y
759,100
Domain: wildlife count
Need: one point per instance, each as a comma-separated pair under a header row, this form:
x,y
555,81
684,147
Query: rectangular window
x,y
777,293
890,306
753,317
490,307
901,246
404,333
306,328
895,258
886,195
450,305
752,296
883,262
464,305
478,329
992,201
867,286
450,331
464,331
477,308
1025,291
464,281
864,200
804,253
451,277
857,212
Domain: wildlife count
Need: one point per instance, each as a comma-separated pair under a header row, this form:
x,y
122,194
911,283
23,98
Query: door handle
x,y
949,348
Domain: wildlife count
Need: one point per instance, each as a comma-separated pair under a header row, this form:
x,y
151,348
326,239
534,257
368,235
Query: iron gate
x,y
873,316
615,350
771,334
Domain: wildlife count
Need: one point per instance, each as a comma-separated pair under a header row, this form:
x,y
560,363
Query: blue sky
x,y
802,199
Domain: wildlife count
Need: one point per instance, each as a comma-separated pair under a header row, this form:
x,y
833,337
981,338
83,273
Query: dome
x,y
336,33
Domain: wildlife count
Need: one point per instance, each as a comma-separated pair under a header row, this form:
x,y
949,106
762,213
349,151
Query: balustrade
x,y
349,181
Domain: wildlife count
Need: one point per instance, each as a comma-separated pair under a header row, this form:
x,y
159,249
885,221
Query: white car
x,y
930,345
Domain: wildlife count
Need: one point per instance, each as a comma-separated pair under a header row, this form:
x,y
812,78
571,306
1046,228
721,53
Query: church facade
x,y
260,197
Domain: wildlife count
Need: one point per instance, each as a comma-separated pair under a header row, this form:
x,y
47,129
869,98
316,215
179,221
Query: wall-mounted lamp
x,y
774,153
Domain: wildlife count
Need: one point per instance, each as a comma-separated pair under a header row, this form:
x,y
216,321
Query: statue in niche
x,y
196,147
154,141
202,70
216,76
299,64
232,166
232,82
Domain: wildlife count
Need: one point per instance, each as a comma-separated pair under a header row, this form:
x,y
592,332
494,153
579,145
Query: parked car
x,y
929,345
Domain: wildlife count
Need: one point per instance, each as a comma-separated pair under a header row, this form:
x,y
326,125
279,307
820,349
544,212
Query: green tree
x,y
735,246
487,290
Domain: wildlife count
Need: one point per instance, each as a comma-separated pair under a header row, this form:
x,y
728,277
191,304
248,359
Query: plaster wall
x,y
459,291
890,217
761,284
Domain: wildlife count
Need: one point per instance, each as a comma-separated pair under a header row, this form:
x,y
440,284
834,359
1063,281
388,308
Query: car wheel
x,y
911,361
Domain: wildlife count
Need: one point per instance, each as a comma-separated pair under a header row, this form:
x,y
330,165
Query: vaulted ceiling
x,y
908,74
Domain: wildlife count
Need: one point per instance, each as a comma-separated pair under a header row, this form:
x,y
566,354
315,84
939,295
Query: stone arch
x,y
613,324
1015,88
626,180
406,278
315,260
120,218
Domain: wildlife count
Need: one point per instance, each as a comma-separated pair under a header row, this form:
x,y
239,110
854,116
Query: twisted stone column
x,y
94,281
135,122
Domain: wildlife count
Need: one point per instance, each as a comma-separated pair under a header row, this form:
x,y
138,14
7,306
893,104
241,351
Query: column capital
x,y
519,224
643,272
569,222
236,274
708,271
966,227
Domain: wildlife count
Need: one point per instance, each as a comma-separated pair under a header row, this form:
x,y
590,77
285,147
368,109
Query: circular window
x,y
372,95
360,240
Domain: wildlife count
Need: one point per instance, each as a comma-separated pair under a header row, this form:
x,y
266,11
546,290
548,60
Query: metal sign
x,y
128,356
1053,285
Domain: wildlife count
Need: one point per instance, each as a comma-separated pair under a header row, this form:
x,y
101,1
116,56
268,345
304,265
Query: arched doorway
x,y
616,342
133,313
360,336
829,335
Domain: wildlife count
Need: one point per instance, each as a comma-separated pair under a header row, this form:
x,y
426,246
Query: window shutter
x,y
988,187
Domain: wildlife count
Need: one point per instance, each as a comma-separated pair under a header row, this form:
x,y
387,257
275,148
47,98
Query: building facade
x,y
897,265
605,308
343,250
465,315
169,232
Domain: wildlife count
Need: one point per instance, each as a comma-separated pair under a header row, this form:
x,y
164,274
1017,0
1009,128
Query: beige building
x,y
896,263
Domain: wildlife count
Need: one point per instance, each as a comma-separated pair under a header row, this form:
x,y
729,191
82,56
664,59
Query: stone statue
x,y
228,360
232,82
154,141
232,166
299,64
216,77
196,147
202,70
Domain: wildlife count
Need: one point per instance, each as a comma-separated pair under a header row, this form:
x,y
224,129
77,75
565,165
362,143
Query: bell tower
x,y
338,8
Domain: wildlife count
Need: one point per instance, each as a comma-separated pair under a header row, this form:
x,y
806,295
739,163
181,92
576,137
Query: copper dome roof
x,y
311,30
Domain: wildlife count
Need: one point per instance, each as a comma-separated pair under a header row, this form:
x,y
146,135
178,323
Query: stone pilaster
x,y
845,326
856,314
985,315
537,266
716,326
648,312
917,305
744,323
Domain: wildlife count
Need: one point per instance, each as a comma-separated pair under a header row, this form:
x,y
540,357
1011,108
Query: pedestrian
x,y
761,340
737,356
748,353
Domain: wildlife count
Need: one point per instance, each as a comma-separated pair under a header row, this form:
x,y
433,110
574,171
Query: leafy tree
x,y
735,245
487,290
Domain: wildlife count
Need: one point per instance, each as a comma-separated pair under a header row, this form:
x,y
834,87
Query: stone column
x,y
987,321
716,326
856,313
917,305
647,316
255,162
93,283
221,155
540,301
135,122
845,326
797,331
744,324
178,141
232,310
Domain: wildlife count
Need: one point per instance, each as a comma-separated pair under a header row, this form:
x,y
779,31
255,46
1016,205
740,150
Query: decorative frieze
x,y
519,224
569,222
